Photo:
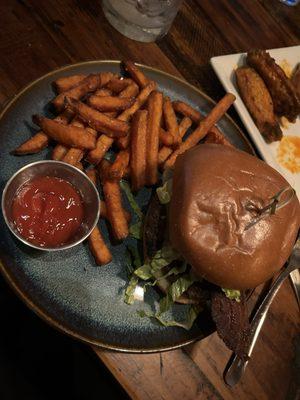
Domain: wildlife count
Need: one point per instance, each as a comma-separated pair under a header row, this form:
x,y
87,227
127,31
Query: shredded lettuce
x,y
192,314
164,192
135,256
161,259
129,292
144,272
150,273
135,230
134,205
178,269
128,262
175,291
232,294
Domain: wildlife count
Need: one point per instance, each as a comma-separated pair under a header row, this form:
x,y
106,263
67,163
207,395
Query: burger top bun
x,y
216,193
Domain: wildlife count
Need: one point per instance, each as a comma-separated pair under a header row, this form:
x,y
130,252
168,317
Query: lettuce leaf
x,y
192,314
232,294
144,272
134,205
129,292
161,259
178,269
175,291
164,192
135,230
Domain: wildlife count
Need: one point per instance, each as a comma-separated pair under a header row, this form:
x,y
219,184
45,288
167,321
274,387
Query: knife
x,y
295,280
236,366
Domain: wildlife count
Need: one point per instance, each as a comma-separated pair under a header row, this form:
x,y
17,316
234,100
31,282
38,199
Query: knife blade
x,y
295,280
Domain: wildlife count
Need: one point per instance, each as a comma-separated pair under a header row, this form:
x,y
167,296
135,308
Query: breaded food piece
x,y
283,93
258,102
296,79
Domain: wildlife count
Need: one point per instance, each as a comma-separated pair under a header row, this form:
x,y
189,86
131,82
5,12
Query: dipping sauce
x,y
47,211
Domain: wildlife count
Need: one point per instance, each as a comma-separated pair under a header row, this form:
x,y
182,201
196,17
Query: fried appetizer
x,y
283,93
296,80
258,102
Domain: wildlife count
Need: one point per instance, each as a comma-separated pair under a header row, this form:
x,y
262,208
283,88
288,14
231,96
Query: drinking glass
x,y
142,20
290,2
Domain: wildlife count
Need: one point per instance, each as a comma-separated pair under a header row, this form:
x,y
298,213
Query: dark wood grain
x,y
39,36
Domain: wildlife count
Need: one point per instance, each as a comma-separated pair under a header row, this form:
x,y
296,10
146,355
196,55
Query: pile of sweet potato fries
x,y
98,111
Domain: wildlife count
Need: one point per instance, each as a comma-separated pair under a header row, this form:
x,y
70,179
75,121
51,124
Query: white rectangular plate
x,y
224,67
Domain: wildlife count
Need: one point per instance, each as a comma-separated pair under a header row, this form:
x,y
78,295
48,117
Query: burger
x,y
216,221
224,222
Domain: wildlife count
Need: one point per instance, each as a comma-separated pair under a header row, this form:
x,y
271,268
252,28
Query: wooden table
x,y
39,36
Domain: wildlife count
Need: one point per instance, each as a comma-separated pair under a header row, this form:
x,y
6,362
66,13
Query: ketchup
x,y
47,211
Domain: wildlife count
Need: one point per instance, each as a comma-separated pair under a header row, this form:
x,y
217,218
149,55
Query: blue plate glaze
x,y
66,288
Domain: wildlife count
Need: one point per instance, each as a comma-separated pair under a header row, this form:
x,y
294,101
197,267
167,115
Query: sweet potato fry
x,y
59,152
166,138
102,123
127,114
118,167
77,122
92,131
130,91
110,103
67,82
184,126
113,199
68,135
155,108
35,144
105,77
103,144
79,166
103,92
40,140
89,84
137,75
103,209
103,169
138,145
139,102
127,173
204,126
115,211
98,247
165,151
117,85
171,120
217,138
73,156
106,92
92,174
103,212
190,112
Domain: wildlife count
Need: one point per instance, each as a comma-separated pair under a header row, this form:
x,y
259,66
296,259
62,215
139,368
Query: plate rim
x,y
5,271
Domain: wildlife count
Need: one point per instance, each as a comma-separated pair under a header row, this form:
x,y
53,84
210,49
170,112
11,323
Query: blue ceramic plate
x,y
66,288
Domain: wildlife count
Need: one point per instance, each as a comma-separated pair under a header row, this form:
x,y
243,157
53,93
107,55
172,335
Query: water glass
x,y
290,2
142,20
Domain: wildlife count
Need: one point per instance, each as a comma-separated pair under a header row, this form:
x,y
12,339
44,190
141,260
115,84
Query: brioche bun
x,y
213,186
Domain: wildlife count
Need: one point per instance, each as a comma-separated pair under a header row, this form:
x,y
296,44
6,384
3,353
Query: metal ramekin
x,y
73,175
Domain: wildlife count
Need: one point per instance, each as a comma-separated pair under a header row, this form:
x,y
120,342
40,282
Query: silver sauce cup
x,y
84,186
